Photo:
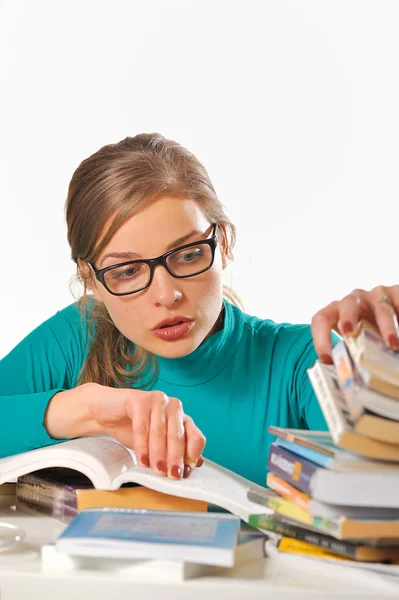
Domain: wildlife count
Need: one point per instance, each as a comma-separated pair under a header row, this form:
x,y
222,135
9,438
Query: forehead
x,y
155,226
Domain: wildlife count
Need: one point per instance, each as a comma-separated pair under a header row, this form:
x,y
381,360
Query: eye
x,y
126,272
189,255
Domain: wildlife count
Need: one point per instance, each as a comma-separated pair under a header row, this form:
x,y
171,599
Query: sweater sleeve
x,y
46,362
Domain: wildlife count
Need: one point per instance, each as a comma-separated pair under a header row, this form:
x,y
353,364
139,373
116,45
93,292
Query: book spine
x,y
45,496
305,549
348,381
288,509
372,357
309,453
279,526
45,499
355,346
48,480
288,491
34,488
292,468
326,390
62,513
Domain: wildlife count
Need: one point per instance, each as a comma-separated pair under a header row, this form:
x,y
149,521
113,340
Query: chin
x,y
178,348
171,350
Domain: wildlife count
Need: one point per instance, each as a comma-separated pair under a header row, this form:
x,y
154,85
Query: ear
x,y
91,282
224,247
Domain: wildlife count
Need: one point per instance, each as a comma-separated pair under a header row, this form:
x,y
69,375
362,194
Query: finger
x,y
393,293
175,438
188,470
195,444
157,436
349,311
353,308
385,315
321,325
342,317
140,407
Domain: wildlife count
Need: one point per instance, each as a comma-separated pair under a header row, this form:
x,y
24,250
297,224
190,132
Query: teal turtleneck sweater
x,y
245,377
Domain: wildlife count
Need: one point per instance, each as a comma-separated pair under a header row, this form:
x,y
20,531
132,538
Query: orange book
x,y
136,497
62,494
288,491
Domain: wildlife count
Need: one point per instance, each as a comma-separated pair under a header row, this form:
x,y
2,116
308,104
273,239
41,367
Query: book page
x,y
211,483
100,458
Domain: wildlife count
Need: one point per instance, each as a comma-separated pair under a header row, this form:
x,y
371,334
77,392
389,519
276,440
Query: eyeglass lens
x,y
182,263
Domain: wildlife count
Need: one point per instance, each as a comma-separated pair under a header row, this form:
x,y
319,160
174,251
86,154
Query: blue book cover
x,y
342,457
196,537
292,468
317,457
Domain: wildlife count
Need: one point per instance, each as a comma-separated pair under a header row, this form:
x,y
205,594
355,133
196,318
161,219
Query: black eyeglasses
x,y
136,275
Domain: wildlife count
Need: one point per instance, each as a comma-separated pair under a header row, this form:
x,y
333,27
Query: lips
x,y
173,328
171,322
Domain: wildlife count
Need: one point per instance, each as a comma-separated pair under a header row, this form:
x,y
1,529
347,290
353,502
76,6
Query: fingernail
x,y
200,462
176,472
161,466
393,341
145,461
186,471
347,327
326,358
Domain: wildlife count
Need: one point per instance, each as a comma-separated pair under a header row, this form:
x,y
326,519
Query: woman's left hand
x,y
380,306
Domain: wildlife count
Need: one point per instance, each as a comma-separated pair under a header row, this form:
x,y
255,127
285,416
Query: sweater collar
x,y
209,358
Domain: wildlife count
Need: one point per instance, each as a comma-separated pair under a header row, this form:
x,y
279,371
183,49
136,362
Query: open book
x,y
109,464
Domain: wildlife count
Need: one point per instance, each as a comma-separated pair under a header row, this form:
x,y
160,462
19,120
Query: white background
x,y
293,107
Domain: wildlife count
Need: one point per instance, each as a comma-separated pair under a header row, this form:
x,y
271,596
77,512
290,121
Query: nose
x,y
165,288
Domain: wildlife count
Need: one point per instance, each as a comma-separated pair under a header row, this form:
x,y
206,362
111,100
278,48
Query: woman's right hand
x,y
151,423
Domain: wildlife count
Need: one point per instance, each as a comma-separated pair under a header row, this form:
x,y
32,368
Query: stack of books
x,y
335,495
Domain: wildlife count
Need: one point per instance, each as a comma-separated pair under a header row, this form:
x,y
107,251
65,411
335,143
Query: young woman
x,y
156,353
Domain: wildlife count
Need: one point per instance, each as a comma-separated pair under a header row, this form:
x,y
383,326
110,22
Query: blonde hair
x,y
105,191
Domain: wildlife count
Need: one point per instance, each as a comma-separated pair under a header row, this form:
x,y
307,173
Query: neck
x,y
212,354
218,324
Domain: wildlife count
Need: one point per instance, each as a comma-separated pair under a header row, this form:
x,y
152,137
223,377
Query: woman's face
x,y
162,225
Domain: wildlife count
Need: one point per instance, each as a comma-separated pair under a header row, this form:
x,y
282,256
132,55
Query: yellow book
x,y
286,508
292,546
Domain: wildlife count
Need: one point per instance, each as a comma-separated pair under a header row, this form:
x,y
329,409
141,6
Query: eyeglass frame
x,y
159,260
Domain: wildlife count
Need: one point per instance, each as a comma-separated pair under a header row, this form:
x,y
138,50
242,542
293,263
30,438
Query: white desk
x,y
22,575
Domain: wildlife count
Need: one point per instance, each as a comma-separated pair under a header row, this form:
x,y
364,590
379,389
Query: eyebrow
x,y
133,255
